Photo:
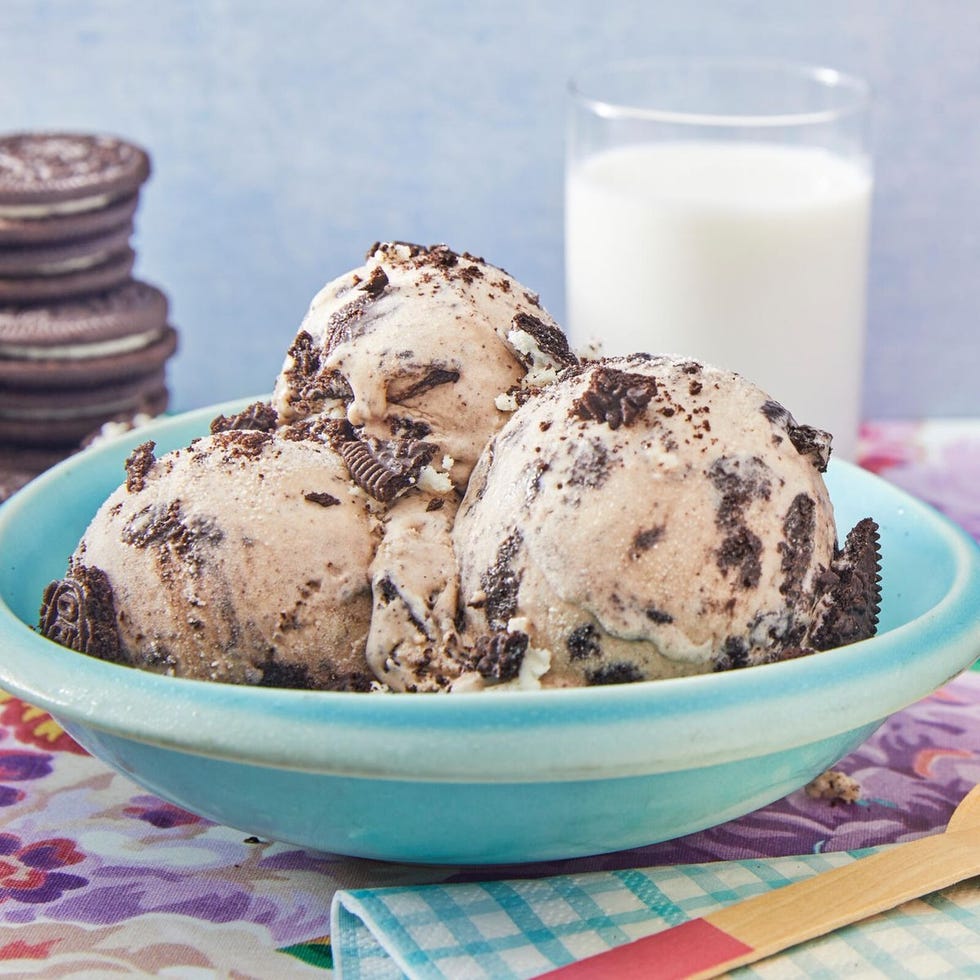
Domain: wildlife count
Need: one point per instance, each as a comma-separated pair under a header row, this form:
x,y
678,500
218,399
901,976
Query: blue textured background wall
x,y
287,136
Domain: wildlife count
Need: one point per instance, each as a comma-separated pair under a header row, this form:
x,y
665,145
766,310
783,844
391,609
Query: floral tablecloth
x,y
99,878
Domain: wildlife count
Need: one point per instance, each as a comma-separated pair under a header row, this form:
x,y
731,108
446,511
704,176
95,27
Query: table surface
x,y
97,876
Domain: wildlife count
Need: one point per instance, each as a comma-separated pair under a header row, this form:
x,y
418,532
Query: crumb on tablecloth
x,y
835,786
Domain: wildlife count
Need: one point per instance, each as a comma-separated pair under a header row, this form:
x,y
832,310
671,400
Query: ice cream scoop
x,y
242,558
649,517
421,342
413,644
418,642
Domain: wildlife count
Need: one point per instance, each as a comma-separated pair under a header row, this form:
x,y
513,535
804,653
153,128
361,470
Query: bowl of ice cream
x,y
452,594
512,775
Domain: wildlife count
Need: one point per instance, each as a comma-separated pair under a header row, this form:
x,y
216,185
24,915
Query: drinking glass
x,y
720,210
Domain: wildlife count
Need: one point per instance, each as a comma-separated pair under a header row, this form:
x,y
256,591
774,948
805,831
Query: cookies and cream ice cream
x,y
648,517
413,643
243,558
440,497
422,342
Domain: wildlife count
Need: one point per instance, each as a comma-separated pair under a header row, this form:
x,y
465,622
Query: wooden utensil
x,y
758,927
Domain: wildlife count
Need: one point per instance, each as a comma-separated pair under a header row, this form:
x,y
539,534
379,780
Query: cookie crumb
x,y
139,463
835,786
321,498
260,416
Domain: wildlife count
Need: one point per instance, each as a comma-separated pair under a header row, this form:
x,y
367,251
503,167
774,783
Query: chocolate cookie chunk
x,y
615,397
385,468
498,656
260,416
852,591
78,612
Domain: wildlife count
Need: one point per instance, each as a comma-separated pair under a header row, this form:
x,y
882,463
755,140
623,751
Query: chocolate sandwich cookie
x,y
117,395
68,227
60,258
45,174
68,367
112,272
81,372
66,416
130,316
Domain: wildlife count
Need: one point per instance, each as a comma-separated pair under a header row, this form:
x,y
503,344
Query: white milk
x,y
749,256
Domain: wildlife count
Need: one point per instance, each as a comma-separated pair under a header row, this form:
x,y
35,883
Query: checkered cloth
x,y
522,928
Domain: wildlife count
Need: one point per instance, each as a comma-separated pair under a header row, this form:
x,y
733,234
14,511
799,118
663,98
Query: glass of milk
x,y
720,210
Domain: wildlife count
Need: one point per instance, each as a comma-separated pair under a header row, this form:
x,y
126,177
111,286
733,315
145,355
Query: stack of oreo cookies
x,y
82,342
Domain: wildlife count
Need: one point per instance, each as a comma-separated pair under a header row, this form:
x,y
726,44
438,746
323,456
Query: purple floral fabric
x,y
98,877
937,461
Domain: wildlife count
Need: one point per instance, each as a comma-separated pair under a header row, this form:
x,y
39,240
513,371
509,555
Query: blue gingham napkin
x,y
521,928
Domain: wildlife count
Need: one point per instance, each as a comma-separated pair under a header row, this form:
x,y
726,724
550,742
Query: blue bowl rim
x,y
608,732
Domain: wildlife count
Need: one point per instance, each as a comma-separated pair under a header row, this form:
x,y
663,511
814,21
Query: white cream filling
x,y
536,663
50,209
543,369
433,481
71,352
505,402
73,264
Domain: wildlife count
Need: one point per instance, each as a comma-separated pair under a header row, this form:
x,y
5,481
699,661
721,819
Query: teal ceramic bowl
x,y
492,778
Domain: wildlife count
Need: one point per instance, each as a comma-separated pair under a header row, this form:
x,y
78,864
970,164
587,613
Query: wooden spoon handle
x,y
757,927
818,905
